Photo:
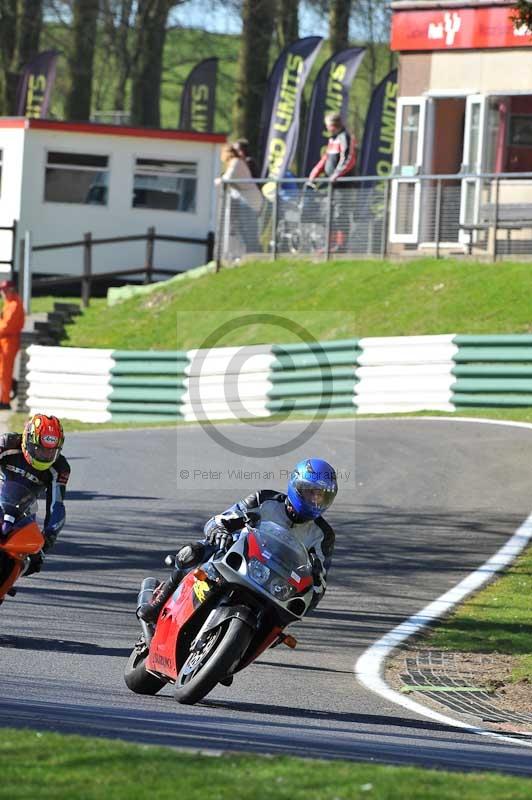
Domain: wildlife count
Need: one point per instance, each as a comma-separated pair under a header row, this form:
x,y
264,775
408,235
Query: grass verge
x,y
16,421
49,766
496,620
332,301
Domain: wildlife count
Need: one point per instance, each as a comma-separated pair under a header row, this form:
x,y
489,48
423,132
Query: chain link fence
x,y
487,216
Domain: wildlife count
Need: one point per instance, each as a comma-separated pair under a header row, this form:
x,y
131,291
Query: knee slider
x,y
189,555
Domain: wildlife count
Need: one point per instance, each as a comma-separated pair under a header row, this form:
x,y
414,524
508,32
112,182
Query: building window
x,y
164,185
76,178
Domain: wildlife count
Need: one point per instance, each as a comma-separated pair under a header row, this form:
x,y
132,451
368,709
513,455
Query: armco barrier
x,y
227,383
493,371
147,385
405,373
371,375
72,382
313,376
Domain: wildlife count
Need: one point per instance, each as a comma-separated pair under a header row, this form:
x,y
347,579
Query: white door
x,y
408,159
473,162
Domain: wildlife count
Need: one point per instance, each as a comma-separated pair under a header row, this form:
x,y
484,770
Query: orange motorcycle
x,y
20,535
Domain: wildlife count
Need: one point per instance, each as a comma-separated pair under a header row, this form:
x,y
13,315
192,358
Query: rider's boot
x,y
149,611
189,556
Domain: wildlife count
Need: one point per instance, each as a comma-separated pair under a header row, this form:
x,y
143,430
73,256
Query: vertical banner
x,y
282,104
376,152
35,86
198,100
330,95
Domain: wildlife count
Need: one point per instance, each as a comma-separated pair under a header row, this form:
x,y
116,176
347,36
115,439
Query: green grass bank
x,y
332,301
495,620
49,766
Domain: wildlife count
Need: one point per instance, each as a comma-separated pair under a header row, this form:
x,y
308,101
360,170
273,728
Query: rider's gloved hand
x,y
317,569
311,185
49,539
219,537
36,560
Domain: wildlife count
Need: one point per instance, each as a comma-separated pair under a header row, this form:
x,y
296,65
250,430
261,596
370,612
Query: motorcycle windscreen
x,y
16,500
284,552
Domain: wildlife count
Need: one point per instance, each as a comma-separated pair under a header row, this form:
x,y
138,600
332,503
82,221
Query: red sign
x,y
457,29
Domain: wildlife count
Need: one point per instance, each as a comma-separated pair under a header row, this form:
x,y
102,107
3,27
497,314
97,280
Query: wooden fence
x,y
88,277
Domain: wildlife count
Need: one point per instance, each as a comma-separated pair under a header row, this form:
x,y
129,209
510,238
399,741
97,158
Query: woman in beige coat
x,y
246,199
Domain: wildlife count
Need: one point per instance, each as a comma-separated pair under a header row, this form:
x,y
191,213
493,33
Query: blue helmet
x,y
312,487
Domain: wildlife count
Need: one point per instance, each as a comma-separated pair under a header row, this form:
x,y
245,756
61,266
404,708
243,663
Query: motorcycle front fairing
x,y
270,574
22,536
271,561
178,623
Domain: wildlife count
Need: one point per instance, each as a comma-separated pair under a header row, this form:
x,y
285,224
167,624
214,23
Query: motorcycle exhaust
x,y
147,588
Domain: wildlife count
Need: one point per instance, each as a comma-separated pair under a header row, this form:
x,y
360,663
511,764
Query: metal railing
x,y
481,215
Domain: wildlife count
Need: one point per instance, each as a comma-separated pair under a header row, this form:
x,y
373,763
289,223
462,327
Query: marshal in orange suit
x,y
11,324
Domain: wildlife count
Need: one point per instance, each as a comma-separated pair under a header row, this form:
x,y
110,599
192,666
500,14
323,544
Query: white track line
x,y
370,666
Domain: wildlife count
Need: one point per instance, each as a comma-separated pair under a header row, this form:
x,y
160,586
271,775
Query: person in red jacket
x,y
338,161
11,324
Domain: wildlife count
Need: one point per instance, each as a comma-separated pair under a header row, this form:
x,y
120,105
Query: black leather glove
x,y
220,538
36,560
49,540
317,569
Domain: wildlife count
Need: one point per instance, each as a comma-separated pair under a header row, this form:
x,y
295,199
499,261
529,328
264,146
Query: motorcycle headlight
x,y
258,571
280,589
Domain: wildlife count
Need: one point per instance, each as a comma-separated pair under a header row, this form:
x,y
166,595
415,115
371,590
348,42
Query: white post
x,y
26,284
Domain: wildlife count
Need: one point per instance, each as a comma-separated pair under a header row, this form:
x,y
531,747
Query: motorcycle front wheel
x,y
222,648
136,676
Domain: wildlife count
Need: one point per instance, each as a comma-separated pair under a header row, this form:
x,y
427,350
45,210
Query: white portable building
x,y
60,180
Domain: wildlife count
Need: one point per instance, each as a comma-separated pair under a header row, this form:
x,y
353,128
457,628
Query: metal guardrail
x,y
483,215
444,372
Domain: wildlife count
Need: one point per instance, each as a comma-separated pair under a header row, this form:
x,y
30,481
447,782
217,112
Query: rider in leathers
x,y
311,490
34,459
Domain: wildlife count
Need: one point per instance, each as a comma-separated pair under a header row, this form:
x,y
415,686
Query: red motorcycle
x,y
223,614
20,536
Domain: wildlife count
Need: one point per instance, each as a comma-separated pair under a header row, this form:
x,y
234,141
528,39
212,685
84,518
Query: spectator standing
x,y
246,200
242,148
338,161
11,325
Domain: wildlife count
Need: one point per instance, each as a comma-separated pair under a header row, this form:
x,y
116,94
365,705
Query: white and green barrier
x,y
365,376
102,385
71,382
493,371
312,377
146,385
405,373
227,383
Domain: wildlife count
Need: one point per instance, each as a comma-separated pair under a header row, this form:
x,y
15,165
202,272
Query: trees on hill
x,y
20,31
150,35
339,15
80,59
114,52
253,67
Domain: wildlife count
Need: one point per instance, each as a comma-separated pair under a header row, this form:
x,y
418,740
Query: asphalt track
x,y
421,504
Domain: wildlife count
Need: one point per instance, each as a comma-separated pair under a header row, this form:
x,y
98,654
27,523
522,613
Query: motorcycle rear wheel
x,y
204,669
136,676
